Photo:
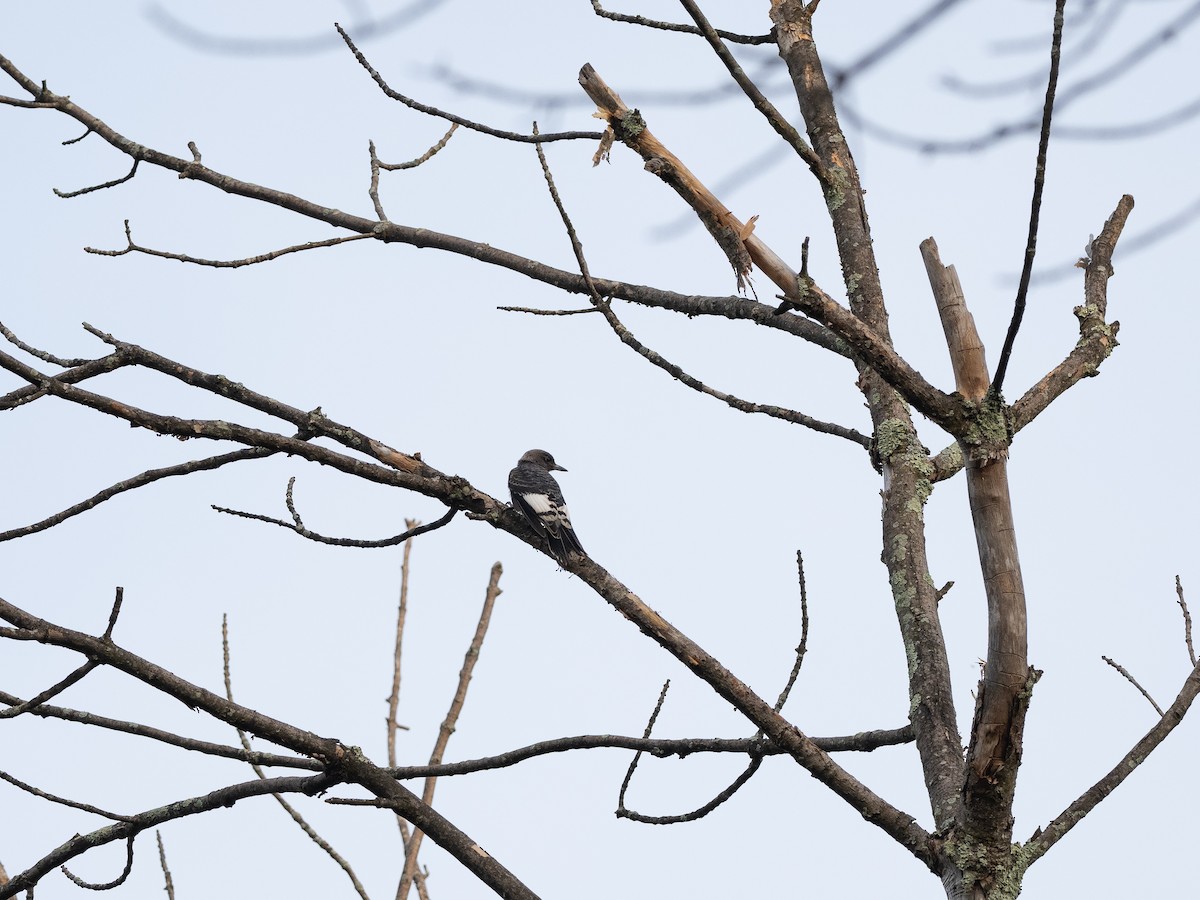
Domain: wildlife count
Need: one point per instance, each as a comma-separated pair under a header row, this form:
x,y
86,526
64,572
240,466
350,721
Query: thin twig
x,y
298,526
394,696
107,886
459,120
401,616
802,647
662,697
43,355
672,26
198,465
87,369
67,195
168,884
53,691
755,750
377,166
1187,621
1120,668
424,157
626,336
547,312
46,711
62,801
114,613
624,812
287,807
412,848
1039,182
702,811
131,247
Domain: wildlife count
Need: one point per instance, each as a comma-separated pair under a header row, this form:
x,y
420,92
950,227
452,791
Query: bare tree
x,y
968,769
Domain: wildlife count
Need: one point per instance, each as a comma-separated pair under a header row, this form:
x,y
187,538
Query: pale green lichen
x,y
632,123
835,188
975,861
890,436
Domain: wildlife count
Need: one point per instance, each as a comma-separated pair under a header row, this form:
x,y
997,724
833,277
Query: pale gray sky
x,y
698,508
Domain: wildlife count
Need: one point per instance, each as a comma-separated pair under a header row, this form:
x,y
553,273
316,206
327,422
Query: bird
x,y
537,495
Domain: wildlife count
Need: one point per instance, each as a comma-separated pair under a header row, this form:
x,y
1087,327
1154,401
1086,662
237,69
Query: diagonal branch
x,y
157,734
1043,840
1097,338
1128,677
127,830
456,119
62,801
412,473
132,247
51,692
774,117
137,481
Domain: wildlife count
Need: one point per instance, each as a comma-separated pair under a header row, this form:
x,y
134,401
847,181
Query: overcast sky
x,y
698,508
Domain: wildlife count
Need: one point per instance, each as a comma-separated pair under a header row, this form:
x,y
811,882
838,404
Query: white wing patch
x,y
551,513
540,503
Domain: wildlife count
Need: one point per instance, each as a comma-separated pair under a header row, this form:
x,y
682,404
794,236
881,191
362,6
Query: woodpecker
x,y
537,495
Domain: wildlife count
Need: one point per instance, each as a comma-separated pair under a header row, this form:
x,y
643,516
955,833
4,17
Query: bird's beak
x,y
557,468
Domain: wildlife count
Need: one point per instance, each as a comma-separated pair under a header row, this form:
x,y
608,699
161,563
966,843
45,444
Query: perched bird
x,y
537,495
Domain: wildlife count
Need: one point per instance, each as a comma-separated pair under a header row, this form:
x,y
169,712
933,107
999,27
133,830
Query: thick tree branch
x,y
737,240
994,755
896,823
346,764
1097,339
410,472
907,470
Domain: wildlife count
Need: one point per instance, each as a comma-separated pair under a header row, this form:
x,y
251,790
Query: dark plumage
x,y
537,495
